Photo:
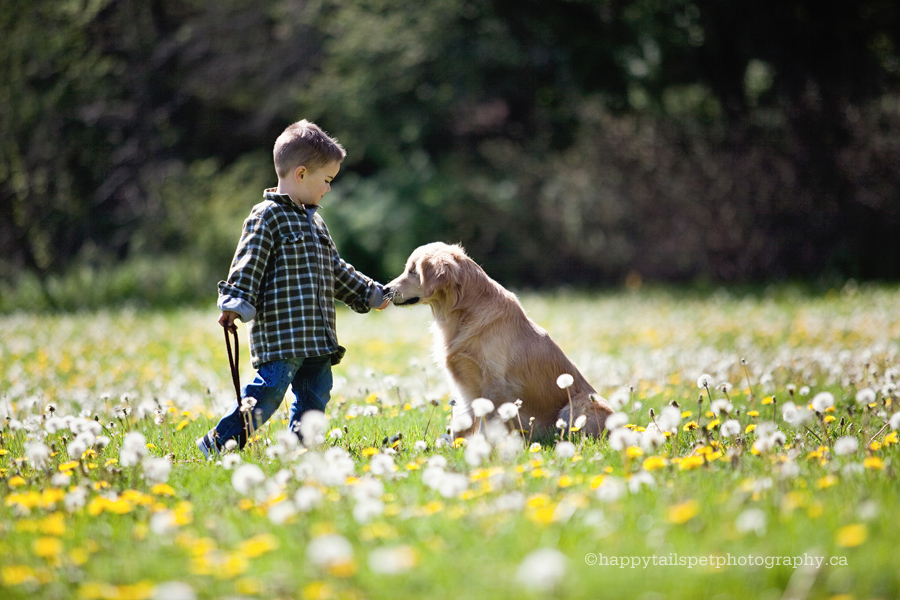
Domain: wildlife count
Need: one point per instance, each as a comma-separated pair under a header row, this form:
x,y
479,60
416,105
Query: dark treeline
x,y
559,141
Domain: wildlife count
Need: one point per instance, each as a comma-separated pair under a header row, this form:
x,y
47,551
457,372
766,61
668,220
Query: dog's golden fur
x,y
489,346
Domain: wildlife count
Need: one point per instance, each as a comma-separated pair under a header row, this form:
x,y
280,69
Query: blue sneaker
x,y
208,446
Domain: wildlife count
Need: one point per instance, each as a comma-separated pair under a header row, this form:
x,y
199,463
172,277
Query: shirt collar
x,y
272,195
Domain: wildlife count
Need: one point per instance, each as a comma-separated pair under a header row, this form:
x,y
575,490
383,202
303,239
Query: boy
x,y
283,281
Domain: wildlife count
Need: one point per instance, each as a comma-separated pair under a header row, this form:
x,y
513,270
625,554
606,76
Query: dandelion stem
x,y
877,434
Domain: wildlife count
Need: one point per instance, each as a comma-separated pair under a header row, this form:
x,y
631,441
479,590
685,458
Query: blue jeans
x,y
310,382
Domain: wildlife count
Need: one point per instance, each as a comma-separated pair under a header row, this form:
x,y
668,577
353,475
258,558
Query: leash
x,y
233,360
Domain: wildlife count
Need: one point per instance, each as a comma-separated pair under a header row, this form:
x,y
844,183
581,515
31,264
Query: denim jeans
x,y
310,383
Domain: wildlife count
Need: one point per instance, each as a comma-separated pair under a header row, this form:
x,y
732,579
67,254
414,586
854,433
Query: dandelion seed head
x,y
482,407
542,569
565,381
704,381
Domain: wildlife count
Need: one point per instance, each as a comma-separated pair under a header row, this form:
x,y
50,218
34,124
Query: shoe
x,y
208,446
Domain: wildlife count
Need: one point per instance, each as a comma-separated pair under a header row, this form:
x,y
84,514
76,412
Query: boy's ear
x,y
299,172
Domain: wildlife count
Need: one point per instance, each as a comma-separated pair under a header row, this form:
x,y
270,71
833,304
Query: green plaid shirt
x,y
284,279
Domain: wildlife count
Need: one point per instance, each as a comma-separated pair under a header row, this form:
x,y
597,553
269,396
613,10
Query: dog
x,y
491,349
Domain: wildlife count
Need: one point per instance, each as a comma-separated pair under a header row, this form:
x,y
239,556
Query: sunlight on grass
x,y
756,449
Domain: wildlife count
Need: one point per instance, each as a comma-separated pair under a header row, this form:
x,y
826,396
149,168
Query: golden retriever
x,y
489,346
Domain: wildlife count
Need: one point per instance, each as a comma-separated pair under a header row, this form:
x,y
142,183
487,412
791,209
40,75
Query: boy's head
x,y
304,143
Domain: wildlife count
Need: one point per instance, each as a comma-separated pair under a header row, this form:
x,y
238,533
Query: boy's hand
x,y
226,320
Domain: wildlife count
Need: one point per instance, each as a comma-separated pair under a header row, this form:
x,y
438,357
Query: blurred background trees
x,y
577,142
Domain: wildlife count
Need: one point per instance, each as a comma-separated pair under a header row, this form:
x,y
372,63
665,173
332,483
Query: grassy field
x,y
777,480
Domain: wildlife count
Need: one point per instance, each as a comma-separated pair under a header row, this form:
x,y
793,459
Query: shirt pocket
x,y
292,252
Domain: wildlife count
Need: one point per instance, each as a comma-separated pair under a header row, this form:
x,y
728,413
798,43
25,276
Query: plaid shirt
x,y
283,281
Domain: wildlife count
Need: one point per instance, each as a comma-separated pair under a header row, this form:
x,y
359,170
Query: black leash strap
x,y
233,360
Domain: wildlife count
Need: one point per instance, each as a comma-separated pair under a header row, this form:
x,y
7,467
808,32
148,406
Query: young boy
x,y
283,281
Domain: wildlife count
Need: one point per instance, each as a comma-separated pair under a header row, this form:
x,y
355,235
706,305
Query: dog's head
x,y
431,273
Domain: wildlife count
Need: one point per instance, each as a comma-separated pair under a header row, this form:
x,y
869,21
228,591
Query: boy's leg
x,y
268,389
310,390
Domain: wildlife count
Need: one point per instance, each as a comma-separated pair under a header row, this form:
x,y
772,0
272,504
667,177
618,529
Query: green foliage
x,y
561,142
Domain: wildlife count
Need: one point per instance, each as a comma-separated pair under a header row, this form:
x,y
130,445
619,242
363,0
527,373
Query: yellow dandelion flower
x,y
653,463
873,462
826,482
713,424
367,452
596,481
686,414
163,489
690,462
891,438
683,512
565,481
690,426
830,419
317,590
258,545
749,428
753,413
16,482
48,547
634,452
851,536
768,400
11,575
68,467
433,507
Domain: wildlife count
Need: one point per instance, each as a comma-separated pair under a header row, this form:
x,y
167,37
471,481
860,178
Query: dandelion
x,y
313,424
615,421
332,552
565,381
730,428
173,590
895,421
622,438
866,396
704,381
846,445
460,422
336,433
307,498
683,512
281,512
610,489
507,411
134,448
382,465
156,469
246,478
477,450
543,569
482,407
794,415
565,450
752,519
721,407
230,461
393,560
641,480
822,402
669,419
851,536
37,453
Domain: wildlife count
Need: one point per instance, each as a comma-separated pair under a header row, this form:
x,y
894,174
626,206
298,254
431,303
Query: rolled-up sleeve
x,y
240,291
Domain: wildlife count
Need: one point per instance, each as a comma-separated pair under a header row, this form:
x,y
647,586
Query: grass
x,y
394,523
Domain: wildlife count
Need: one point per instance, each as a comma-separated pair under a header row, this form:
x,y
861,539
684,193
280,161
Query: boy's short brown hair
x,y
304,143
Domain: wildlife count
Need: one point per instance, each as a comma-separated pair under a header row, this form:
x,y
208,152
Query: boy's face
x,y
311,186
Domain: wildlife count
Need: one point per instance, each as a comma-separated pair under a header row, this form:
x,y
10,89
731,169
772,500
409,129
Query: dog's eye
x,y
412,272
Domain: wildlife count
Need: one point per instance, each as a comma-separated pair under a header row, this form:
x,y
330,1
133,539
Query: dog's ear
x,y
437,272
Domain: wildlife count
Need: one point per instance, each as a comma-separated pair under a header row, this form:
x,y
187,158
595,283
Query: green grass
x,y
127,538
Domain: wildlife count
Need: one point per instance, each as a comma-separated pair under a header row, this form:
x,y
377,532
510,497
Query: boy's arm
x,y
354,289
238,293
